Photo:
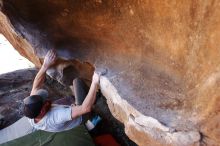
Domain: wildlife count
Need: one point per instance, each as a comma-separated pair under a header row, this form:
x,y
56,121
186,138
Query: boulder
x,y
162,59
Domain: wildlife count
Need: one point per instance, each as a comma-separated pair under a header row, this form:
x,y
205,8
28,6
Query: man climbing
x,y
55,118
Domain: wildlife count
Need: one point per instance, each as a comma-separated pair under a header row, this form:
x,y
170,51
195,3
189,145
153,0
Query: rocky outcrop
x,y
162,57
14,87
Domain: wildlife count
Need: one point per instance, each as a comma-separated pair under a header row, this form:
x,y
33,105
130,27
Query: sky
x,y
10,59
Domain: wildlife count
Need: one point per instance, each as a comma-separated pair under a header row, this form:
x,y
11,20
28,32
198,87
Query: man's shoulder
x,y
59,114
59,110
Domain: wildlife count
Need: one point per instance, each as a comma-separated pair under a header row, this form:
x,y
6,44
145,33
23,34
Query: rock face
x,y
14,87
162,56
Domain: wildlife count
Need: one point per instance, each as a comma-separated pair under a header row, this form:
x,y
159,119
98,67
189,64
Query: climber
x,y
44,115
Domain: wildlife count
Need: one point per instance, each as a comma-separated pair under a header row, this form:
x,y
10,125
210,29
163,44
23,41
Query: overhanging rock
x,y
162,56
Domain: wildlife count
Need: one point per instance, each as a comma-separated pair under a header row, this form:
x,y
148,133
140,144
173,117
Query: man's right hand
x,y
49,59
96,78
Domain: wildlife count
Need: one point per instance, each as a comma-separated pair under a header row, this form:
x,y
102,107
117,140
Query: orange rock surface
x,y
162,56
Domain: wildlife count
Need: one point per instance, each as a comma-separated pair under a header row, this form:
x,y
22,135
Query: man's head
x,y
32,106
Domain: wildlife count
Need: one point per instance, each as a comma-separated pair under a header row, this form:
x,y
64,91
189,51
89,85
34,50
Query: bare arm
x,y
49,60
89,100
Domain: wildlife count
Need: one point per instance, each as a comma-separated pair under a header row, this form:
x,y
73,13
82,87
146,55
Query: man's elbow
x,y
80,110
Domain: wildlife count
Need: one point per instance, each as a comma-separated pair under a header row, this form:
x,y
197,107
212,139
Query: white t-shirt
x,y
57,119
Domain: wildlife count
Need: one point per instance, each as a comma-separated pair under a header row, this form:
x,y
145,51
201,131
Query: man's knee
x,y
77,82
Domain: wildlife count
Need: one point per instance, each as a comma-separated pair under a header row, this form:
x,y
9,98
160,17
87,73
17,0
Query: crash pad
x,y
78,136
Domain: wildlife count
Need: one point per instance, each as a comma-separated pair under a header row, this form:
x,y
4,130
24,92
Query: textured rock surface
x,y
163,59
13,88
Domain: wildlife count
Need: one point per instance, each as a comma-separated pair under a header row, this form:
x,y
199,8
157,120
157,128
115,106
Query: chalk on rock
x,y
101,71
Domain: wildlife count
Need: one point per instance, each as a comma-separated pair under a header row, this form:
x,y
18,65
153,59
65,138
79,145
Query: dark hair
x,y
32,106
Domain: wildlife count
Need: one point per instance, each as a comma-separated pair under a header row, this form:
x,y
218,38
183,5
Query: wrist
x,y
45,67
95,83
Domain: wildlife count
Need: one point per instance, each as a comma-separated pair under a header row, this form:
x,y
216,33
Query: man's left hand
x,y
49,59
